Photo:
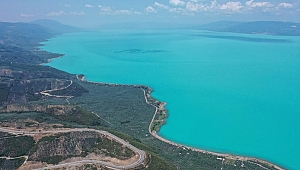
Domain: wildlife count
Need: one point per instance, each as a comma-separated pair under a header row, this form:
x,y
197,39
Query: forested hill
x,y
258,27
22,78
20,34
56,27
19,42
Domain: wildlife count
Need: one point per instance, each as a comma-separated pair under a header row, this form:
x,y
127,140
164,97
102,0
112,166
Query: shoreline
x,y
222,155
160,107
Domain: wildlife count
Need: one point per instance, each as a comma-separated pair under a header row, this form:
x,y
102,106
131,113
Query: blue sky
x,y
97,12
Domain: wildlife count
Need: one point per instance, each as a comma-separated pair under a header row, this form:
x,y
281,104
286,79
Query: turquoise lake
x,y
225,92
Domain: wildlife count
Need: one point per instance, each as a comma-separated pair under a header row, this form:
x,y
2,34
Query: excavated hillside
x,y
24,83
58,147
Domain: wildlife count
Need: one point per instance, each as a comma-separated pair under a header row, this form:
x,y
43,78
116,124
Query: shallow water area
x,y
231,93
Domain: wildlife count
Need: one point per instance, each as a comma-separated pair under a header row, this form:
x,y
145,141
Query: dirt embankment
x,y
54,109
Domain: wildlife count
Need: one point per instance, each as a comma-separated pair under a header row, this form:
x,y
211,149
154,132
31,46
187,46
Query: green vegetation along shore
x,y
125,111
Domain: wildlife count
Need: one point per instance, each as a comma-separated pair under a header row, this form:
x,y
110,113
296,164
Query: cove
x,y
225,92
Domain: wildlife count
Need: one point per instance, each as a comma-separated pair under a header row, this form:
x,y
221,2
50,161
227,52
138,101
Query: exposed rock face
x,y
53,109
78,144
20,86
23,83
6,73
60,145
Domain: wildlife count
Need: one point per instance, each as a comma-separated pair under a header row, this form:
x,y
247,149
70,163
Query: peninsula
x,y
69,122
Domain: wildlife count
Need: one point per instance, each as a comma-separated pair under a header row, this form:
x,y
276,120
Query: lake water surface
x,y
231,93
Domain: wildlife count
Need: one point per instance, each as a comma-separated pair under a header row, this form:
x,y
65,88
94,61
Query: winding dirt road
x,y
47,92
133,165
229,156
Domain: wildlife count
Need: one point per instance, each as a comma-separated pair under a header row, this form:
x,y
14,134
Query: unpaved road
x,y
133,165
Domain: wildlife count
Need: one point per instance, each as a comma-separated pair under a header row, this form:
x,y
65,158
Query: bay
x,y
225,92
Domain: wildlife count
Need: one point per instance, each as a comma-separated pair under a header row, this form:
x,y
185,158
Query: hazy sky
x,y
96,12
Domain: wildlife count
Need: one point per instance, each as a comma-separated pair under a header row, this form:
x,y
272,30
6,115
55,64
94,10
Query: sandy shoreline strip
x,y
147,95
225,155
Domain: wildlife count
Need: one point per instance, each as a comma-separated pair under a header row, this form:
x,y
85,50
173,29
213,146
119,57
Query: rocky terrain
x,y
53,149
21,83
36,98
31,148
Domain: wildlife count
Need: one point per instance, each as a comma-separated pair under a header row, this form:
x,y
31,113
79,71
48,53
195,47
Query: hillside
x,y
39,98
258,27
56,27
19,43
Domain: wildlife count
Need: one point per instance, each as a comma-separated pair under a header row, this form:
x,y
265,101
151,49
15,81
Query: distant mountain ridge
x,y
143,25
56,27
257,27
11,31
19,42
